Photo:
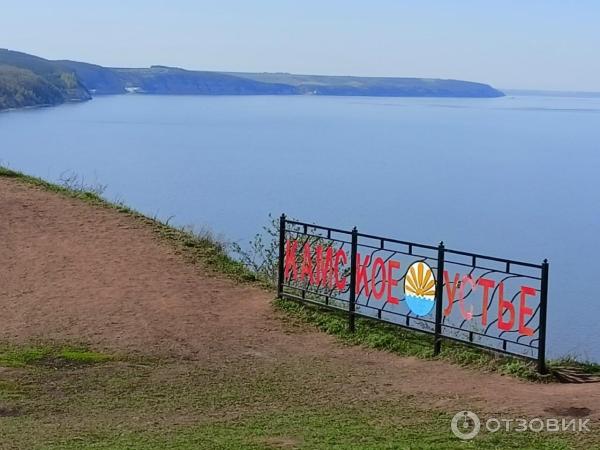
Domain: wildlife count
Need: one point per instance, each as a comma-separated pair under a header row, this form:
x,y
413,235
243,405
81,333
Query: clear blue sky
x,y
536,44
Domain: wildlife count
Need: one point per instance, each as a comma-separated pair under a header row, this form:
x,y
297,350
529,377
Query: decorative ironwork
x,y
488,302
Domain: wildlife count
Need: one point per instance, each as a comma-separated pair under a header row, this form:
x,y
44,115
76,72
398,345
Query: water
x,y
514,177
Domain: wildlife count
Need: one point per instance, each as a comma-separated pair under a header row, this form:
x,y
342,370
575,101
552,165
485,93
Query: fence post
x,y
352,293
439,296
280,274
541,363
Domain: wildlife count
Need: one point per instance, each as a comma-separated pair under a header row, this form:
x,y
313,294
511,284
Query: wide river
x,y
515,177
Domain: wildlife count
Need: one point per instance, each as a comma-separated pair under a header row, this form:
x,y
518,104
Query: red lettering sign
x,y
503,306
340,258
485,297
525,311
291,248
378,267
361,274
392,282
450,291
326,268
467,279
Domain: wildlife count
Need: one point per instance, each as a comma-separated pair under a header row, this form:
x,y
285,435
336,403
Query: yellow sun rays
x,y
419,280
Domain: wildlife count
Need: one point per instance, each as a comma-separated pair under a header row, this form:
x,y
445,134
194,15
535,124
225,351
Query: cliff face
x,y
169,80
21,88
97,79
27,80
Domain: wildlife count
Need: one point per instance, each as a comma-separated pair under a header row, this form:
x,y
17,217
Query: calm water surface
x,y
516,177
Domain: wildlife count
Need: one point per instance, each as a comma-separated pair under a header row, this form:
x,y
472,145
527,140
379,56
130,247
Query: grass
x,y
583,366
72,397
35,355
404,342
180,404
408,343
82,356
205,249
331,429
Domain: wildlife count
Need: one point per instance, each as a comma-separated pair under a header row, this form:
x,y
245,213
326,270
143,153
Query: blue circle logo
x,y
419,288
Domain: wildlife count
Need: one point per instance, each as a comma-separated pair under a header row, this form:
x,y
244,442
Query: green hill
x,y
172,80
376,86
169,80
20,88
27,80
97,79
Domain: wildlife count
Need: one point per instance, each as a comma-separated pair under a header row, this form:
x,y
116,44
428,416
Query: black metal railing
x,y
489,302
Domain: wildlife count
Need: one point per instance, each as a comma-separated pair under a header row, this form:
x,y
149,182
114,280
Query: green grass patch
x,y
19,357
80,193
405,342
409,343
384,427
82,356
44,355
182,405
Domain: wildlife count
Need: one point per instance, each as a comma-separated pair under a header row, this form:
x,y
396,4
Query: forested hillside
x,y
27,80
20,88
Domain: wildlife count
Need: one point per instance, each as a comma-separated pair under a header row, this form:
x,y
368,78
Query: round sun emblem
x,y
419,288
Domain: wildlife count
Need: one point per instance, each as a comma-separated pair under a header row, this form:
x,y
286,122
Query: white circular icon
x,y
465,425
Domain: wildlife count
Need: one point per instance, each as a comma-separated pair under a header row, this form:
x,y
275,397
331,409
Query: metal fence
x,y
493,303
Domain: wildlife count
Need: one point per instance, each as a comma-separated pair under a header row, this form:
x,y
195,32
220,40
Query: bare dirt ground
x,y
74,272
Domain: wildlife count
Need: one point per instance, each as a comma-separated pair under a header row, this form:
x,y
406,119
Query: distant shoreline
x,y
28,80
40,106
143,94
546,93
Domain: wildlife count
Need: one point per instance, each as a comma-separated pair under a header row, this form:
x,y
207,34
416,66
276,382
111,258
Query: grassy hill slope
x,y
21,88
172,80
376,86
27,80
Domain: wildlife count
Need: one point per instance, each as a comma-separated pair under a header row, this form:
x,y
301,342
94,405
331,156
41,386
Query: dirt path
x,y
74,272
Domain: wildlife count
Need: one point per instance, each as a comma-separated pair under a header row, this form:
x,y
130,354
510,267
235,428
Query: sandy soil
x,y
74,272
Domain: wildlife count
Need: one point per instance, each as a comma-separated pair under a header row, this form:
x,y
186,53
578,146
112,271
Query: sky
x,y
526,44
